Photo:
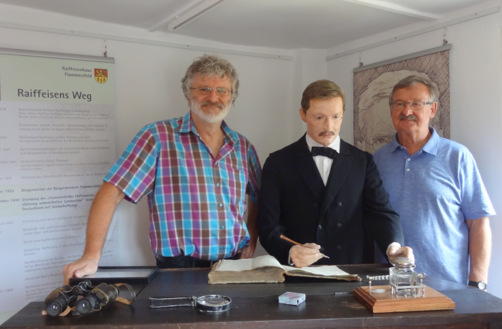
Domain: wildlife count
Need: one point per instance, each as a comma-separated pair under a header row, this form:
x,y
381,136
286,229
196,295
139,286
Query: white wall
x,y
475,93
149,68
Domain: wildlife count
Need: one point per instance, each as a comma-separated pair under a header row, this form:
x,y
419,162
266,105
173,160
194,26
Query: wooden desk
x,y
329,304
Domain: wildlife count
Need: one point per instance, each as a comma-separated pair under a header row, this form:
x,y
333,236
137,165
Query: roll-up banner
x,y
57,141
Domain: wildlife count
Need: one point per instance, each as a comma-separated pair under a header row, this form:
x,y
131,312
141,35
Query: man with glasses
x,y
322,191
435,186
196,173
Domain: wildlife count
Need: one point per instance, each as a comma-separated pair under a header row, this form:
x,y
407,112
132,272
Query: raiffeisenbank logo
x,y
101,75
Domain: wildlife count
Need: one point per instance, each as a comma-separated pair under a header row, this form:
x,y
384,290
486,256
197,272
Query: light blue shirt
x,y
435,191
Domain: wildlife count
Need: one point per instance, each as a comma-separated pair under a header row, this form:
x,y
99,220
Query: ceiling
x,y
287,24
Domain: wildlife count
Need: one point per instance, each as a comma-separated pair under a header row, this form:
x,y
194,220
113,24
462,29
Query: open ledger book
x,y
267,269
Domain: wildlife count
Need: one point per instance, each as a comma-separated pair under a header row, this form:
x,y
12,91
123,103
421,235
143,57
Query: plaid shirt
x,y
196,202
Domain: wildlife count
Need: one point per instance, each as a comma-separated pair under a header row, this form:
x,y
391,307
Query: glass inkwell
x,y
403,280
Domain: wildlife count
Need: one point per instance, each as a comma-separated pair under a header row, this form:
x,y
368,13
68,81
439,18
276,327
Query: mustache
x,y
407,117
326,133
217,104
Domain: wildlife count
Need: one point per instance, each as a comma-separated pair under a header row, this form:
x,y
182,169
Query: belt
x,y
185,261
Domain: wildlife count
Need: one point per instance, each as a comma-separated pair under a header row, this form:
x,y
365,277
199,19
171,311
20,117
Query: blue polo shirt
x,y
435,191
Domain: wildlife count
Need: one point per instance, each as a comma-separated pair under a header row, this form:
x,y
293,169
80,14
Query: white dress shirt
x,y
323,163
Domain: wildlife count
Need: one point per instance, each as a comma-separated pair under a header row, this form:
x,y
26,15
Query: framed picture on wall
x,y
373,84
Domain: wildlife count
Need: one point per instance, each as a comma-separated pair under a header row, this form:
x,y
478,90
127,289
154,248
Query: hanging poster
x,y
373,84
57,141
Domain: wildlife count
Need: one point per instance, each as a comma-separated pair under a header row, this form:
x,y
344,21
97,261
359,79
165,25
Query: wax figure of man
x,y
435,185
196,173
318,201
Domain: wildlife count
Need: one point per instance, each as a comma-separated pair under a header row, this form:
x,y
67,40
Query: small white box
x,y
292,298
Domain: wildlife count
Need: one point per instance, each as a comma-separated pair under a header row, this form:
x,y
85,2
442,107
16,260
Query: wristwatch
x,y
480,285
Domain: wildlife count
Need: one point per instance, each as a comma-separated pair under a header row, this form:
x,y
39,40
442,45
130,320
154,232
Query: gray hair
x,y
211,66
412,80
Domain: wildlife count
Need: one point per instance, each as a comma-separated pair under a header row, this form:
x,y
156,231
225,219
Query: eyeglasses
x,y
415,106
323,118
220,91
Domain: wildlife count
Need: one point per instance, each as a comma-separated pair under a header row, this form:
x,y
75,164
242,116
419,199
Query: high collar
x,y
335,145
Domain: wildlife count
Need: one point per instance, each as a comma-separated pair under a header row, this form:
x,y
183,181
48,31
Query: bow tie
x,y
324,151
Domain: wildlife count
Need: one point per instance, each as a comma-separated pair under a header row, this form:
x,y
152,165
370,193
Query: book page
x,y
235,265
266,261
247,264
325,270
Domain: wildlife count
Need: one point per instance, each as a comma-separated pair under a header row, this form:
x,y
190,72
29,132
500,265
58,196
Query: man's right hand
x,y
79,268
305,255
100,216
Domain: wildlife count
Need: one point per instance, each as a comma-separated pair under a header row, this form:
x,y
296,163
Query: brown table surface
x,y
329,304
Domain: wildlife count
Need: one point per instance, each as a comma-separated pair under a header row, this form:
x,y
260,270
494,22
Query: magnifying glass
x,y
205,303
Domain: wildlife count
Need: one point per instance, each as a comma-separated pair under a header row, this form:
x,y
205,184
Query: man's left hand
x,y
397,251
248,252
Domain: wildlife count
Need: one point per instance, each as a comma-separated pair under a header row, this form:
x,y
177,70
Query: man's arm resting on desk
x,y
480,246
100,216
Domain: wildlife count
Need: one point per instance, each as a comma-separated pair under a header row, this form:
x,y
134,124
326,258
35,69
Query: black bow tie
x,y
324,151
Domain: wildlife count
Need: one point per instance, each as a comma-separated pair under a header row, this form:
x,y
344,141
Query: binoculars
x,y
83,298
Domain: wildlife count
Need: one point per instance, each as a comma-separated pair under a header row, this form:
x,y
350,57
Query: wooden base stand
x,y
385,302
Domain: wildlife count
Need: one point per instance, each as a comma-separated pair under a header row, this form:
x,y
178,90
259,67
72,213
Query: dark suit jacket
x,y
342,217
